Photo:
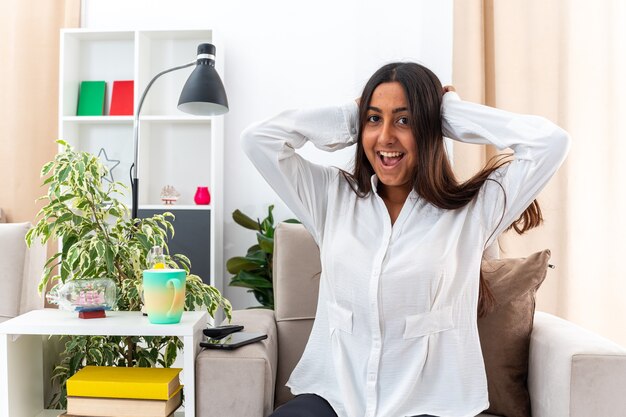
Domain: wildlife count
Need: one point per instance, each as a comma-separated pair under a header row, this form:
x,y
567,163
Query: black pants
x,y
308,405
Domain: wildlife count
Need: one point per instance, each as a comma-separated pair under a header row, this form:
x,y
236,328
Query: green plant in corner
x,y
98,239
254,270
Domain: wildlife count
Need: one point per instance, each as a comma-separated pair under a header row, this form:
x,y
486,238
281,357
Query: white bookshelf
x,y
175,148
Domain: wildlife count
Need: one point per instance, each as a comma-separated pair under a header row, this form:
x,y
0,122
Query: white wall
x,y
281,54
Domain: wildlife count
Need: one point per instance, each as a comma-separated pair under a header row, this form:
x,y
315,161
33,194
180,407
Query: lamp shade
x,y
203,93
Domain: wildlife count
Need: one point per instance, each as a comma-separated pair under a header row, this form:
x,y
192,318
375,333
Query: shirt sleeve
x,y
539,148
302,185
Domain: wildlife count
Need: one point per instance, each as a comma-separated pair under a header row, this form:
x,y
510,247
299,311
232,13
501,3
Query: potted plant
x,y
99,240
254,270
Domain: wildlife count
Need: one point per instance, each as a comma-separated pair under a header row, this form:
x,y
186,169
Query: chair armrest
x,y
240,382
574,372
34,261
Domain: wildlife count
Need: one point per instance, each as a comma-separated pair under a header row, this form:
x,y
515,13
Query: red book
x,y
122,98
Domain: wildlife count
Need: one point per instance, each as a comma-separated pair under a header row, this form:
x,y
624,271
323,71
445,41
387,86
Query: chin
x,y
392,182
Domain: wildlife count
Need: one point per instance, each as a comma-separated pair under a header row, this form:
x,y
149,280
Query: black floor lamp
x,y
203,94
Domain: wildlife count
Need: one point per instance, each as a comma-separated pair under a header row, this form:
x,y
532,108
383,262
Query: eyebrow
x,y
398,110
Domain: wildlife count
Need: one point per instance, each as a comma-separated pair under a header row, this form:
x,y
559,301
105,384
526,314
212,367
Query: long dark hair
x,y
432,177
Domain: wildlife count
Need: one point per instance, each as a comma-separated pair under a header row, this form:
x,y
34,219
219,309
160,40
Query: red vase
x,y
202,197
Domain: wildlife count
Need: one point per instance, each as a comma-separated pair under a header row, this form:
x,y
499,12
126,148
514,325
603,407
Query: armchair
x,y
20,271
572,372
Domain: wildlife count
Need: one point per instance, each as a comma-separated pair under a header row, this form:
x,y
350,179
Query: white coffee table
x,y
23,338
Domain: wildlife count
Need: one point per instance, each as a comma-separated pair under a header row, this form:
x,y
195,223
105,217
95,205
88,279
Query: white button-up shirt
x,y
395,331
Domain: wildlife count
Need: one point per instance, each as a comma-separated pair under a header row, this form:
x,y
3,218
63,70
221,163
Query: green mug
x,y
164,295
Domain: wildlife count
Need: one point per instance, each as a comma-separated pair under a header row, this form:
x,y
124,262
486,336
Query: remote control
x,y
221,331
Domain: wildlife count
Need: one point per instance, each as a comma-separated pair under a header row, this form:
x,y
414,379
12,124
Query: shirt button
x,y
353,130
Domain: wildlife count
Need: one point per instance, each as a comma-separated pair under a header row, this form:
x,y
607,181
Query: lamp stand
x,y
134,180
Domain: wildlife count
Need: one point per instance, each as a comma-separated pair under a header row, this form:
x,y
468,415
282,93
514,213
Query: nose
x,y
387,134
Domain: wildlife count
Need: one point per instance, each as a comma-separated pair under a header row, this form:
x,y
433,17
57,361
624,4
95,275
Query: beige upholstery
x,y
241,380
572,372
295,300
20,271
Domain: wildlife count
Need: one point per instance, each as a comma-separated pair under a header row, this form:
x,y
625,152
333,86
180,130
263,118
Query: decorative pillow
x,y
505,332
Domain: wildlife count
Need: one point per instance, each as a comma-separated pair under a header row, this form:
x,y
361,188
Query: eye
x,y
373,118
403,120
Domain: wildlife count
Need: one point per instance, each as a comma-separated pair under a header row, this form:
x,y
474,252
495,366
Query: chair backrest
x,y
297,271
20,271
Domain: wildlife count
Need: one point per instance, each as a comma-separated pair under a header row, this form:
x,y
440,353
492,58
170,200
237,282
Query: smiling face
x,y
388,140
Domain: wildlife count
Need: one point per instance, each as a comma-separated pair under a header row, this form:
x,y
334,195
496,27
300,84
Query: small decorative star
x,y
109,164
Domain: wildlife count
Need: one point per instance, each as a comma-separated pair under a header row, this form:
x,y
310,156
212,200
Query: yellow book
x,y
123,407
121,382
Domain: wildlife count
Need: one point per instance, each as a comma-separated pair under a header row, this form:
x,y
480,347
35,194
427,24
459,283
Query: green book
x,y
91,98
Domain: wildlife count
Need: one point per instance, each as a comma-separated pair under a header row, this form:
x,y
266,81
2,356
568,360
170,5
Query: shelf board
x,y
178,34
173,118
100,35
98,119
174,207
129,119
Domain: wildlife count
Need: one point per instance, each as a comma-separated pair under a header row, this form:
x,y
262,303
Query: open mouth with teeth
x,y
390,159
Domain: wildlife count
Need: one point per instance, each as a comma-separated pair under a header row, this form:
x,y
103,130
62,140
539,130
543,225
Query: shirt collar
x,y
374,180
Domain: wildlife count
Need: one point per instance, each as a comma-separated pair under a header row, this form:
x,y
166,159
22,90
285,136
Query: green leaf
x,y
267,226
108,257
64,173
170,353
248,280
73,254
80,166
46,168
144,241
68,242
245,221
270,216
266,243
71,344
253,249
100,249
65,271
183,259
76,362
257,255
240,263
96,356
265,297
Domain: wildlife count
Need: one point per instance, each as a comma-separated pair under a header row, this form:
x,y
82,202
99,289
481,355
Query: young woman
x,y
401,240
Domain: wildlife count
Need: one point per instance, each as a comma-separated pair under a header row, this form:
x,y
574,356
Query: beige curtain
x,y
29,78
564,60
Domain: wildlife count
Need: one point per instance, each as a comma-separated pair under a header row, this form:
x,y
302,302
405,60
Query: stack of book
x,y
103,391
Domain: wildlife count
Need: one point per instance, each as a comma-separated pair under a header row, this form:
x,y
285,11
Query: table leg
x,y
21,377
